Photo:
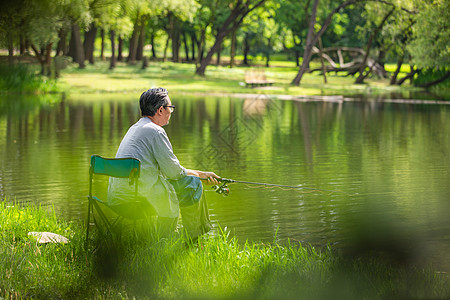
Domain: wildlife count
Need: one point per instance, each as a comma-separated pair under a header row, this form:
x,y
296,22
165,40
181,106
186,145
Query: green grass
x,y
30,270
217,267
219,80
180,78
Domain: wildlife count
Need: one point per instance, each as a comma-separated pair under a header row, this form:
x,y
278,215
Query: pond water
x,y
375,174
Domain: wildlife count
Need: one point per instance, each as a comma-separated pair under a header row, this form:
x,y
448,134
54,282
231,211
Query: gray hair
x,y
153,99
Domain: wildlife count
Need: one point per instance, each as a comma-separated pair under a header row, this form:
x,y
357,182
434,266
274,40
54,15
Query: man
x,y
163,182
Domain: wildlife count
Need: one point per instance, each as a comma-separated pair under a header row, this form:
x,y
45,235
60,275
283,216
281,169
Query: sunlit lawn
x,y
180,78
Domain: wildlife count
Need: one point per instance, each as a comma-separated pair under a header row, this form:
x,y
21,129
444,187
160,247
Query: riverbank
x,y
218,267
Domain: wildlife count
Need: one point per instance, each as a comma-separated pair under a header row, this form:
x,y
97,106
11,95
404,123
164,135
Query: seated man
x,y
163,182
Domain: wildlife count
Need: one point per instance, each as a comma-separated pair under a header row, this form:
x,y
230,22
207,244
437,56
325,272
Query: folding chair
x,y
122,168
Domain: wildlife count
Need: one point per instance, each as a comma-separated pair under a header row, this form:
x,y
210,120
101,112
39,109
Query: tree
x,y
294,16
77,17
313,37
13,17
99,10
237,11
76,45
429,47
139,11
116,22
48,18
262,33
374,32
178,13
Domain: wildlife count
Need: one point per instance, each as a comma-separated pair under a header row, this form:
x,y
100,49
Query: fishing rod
x,y
223,189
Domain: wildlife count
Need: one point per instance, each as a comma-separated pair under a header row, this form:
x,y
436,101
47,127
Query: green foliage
x,y
431,74
431,35
20,78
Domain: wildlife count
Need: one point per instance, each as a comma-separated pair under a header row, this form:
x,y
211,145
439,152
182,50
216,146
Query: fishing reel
x,y
221,189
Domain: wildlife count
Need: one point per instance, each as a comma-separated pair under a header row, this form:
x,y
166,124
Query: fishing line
x,y
223,187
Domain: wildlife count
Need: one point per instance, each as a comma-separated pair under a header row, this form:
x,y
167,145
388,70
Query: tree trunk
x,y
193,43
314,37
363,75
48,59
10,47
297,58
133,43
397,70
296,50
140,45
44,58
165,48
141,42
24,45
21,44
381,72
89,43
144,62
112,64
269,46
310,42
72,47
233,49
78,51
324,71
102,50
411,79
186,47
152,41
39,57
200,46
218,55
61,47
175,36
246,50
434,82
409,76
119,48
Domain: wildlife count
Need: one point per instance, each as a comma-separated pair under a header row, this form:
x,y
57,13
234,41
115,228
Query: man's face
x,y
167,111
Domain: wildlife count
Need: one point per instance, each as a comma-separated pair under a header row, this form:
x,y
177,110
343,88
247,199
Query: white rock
x,y
48,237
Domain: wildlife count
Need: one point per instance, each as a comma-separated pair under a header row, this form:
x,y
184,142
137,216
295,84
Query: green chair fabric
x,y
115,167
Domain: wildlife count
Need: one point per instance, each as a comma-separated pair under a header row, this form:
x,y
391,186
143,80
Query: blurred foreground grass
x,y
217,267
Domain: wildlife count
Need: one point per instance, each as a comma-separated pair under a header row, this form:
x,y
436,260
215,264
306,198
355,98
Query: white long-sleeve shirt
x,y
149,143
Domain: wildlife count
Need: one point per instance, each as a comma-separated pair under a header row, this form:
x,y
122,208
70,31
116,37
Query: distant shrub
x,y
428,75
20,78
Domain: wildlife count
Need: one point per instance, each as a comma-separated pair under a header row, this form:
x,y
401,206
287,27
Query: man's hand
x,y
211,177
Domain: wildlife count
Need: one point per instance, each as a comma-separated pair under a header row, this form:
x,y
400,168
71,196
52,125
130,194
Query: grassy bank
x,y
216,268
180,78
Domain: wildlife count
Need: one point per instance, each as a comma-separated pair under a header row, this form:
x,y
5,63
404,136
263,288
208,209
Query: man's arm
x,y
166,159
170,165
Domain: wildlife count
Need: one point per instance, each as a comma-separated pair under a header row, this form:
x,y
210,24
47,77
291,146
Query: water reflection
x,y
394,156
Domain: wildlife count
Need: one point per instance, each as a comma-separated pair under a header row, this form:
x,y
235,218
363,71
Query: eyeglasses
x,y
171,107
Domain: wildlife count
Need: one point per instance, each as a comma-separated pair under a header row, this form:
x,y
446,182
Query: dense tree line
x,y
356,36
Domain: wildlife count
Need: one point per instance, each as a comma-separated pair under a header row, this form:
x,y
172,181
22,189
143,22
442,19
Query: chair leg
x,y
102,215
88,222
